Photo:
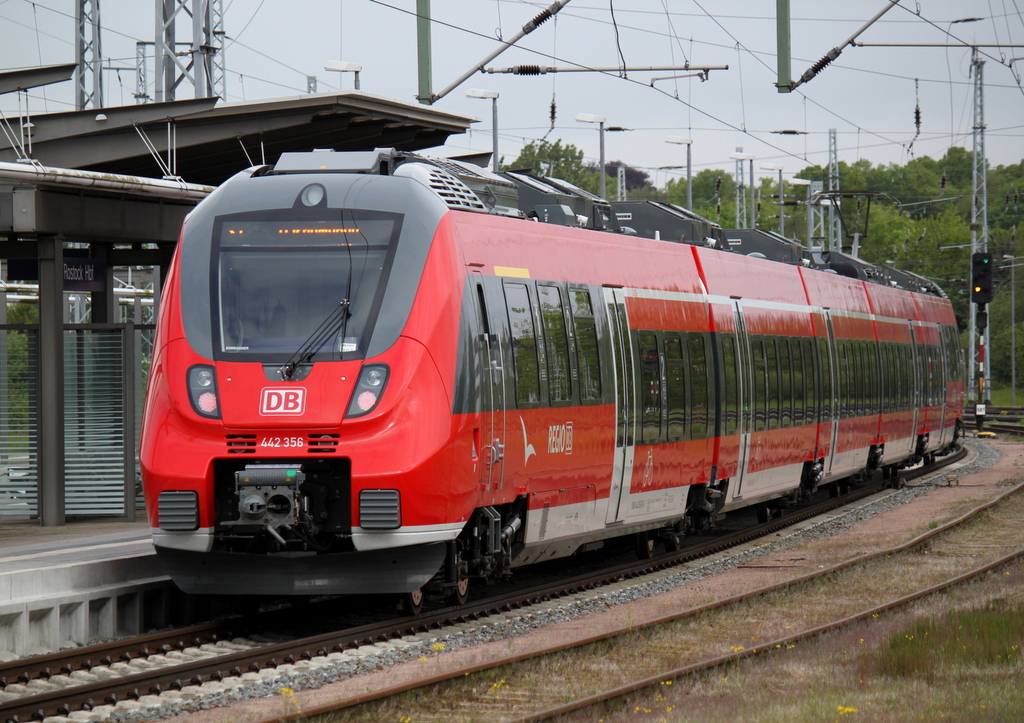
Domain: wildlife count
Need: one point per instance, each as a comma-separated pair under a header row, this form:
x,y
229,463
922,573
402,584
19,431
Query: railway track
x,y
140,669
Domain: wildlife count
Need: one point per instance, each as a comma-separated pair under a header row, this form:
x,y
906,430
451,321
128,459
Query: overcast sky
x,y
868,94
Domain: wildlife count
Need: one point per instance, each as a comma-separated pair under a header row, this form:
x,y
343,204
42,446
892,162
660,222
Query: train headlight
x,y
369,388
202,391
313,195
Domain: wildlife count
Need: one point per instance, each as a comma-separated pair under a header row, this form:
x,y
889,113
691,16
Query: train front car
x,y
283,363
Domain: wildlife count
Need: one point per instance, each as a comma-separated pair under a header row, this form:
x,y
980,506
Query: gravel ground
x,y
285,680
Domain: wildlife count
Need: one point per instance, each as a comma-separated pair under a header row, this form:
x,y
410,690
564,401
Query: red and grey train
x,y
369,377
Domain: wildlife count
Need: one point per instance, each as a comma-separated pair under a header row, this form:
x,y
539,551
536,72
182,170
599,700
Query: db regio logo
x,y
289,400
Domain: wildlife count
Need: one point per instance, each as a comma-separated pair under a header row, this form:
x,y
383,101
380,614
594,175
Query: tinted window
x,y
826,380
730,388
586,346
282,279
760,386
524,344
799,382
650,386
772,367
786,376
675,363
698,387
559,372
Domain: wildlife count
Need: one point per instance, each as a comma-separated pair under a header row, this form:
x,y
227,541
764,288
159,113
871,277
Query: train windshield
x,y
279,275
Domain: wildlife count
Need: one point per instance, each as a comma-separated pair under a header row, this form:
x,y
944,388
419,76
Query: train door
x,y
746,402
492,389
830,367
622,367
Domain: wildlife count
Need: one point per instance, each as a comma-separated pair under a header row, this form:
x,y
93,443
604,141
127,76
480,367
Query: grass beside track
x,y
894,668
957,657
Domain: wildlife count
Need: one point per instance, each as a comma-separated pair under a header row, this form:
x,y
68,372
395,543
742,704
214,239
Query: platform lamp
x,y
688,142
341,66
493,95
600,120
782,195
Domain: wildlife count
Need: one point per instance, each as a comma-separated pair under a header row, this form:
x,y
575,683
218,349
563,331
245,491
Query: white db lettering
x,y
283,401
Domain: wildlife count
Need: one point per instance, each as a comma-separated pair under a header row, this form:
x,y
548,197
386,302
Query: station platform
x,y
61,587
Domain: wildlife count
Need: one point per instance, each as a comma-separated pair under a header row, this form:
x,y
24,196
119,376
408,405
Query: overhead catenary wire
x,y
834,52
528,28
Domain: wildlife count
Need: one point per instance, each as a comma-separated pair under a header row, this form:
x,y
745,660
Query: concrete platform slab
x,y
62,587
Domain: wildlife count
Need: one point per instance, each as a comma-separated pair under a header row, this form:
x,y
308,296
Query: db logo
x,y
283,401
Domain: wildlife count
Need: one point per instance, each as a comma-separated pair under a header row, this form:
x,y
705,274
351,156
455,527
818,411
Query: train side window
x,y
559,372
799,382
810,382
650,392
586,346
843,374
909,385
699,424
911,372
883,352
760,385
524,344
933,372
867,379
675,368
825,363
860,381
786,385
873,351
891,377
771,359
730,391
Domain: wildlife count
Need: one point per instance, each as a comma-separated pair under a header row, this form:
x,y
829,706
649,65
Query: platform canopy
x,y
212,141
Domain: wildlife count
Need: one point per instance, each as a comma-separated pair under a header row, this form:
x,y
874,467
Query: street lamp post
x,y
493,95
782,196
341,66
689,178
600,120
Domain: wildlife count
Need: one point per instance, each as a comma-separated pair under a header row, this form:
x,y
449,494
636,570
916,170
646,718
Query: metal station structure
x,y
90,196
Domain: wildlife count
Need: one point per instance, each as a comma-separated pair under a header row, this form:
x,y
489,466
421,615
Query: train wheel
x,y
459,594
412,602
644,545
674,543
763,514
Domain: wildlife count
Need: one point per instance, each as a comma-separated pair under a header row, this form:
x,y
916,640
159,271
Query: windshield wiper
x,y
335,321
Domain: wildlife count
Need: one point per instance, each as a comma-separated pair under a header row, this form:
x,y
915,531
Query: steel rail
x,y
133,686
716,661
782,642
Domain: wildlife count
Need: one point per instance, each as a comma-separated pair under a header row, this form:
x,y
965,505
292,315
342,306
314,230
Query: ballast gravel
x,y
313,674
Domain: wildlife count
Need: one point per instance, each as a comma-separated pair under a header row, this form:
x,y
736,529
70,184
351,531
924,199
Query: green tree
x,y
553,159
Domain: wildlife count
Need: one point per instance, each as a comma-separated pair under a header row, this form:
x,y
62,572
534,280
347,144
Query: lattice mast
x,y
980,367
835,224
202,64
88,55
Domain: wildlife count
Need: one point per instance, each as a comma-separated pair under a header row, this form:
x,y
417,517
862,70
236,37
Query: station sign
x,y
80,274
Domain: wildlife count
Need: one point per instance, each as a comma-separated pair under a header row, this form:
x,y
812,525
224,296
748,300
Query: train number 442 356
x,y
283,442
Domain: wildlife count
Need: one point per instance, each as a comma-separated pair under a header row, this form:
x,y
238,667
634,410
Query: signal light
x,y
981,278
